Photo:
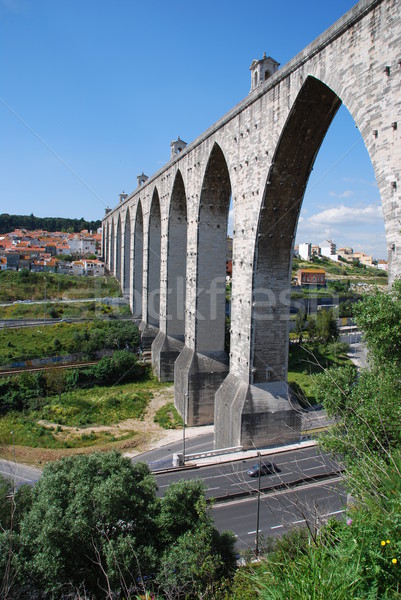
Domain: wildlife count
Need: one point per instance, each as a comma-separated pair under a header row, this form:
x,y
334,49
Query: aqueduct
x,y
166,242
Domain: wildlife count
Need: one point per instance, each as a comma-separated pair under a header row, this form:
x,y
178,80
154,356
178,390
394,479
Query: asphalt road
x,y
310,505
228,479
163,457
20,473
280,509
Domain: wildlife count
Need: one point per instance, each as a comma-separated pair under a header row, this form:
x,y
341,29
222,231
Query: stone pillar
x,y
203,364
170,339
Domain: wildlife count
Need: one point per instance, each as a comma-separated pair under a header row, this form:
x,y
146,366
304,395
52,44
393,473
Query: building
x,y
305,251
363,258
315,277
382,265
328,249
261,70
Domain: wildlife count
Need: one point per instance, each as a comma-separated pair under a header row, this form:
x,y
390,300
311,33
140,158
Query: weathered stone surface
x,y
260,154
148,335
196,379
165,351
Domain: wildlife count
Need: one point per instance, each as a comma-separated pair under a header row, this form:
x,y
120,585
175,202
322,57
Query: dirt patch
x,y
146,434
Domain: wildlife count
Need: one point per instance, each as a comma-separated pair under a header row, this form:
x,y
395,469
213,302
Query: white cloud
x,y
346,194
360,227
346,215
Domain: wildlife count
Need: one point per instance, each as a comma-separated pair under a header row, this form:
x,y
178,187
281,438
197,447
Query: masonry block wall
x,y
260,154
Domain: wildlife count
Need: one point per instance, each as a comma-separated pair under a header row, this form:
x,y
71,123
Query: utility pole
x,y
258,510
183,427
15,466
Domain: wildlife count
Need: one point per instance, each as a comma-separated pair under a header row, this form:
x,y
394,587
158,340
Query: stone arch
x,y
176,260
126,272
118,248
212,255
153,279
138,264
112,247
299,143
107,245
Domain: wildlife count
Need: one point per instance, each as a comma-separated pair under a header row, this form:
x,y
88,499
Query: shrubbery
x,y
93,525
28,390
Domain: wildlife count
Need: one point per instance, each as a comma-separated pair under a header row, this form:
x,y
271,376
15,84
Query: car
x,y
266,468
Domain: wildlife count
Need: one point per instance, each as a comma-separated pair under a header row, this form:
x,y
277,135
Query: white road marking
x,y
336,512
296,522
9,474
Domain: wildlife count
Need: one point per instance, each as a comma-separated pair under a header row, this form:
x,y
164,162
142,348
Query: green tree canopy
x,y
88,514
379,317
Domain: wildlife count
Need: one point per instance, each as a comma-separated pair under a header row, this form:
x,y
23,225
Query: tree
x,y
326,326
196,555
121,366
182,509
300,324
368,409
94,523
56,381
90,514
122,334
379,317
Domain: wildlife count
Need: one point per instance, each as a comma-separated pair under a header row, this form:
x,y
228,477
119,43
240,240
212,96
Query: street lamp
x,y
258,509
12,433
183,427
15,470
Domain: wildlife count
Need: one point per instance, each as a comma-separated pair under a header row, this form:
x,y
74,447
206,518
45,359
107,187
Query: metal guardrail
x,y
213,452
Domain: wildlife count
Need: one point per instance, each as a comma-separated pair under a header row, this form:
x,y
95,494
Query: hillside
x,y
30,222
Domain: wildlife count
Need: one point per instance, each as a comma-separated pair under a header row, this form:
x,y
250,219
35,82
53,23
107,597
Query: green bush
x,y
168,417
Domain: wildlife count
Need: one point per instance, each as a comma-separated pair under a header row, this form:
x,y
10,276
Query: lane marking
x,y
15,476
336,512
276,526
296,522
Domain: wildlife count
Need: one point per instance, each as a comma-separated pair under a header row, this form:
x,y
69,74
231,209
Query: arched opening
x,y
107,246
153,300
177,261
138,264
118,249
112,247
212,255
306,126
127,255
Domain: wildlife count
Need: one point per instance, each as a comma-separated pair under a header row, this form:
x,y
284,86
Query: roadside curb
x,y
224,458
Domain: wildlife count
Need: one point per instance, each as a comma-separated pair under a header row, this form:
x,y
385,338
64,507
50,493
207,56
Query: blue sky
x,y
93,91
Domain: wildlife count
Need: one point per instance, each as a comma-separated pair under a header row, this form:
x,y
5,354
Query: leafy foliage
x,y
379,316
10,222
168,417
95,523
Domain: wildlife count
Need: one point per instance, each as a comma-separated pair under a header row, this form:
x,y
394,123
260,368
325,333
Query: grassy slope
x,y
305,361
23,285
24,343
341,270
73,310
72,421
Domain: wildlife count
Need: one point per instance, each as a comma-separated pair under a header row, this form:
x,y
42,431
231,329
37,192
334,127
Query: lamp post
x,y
258,510
183,427
12,433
